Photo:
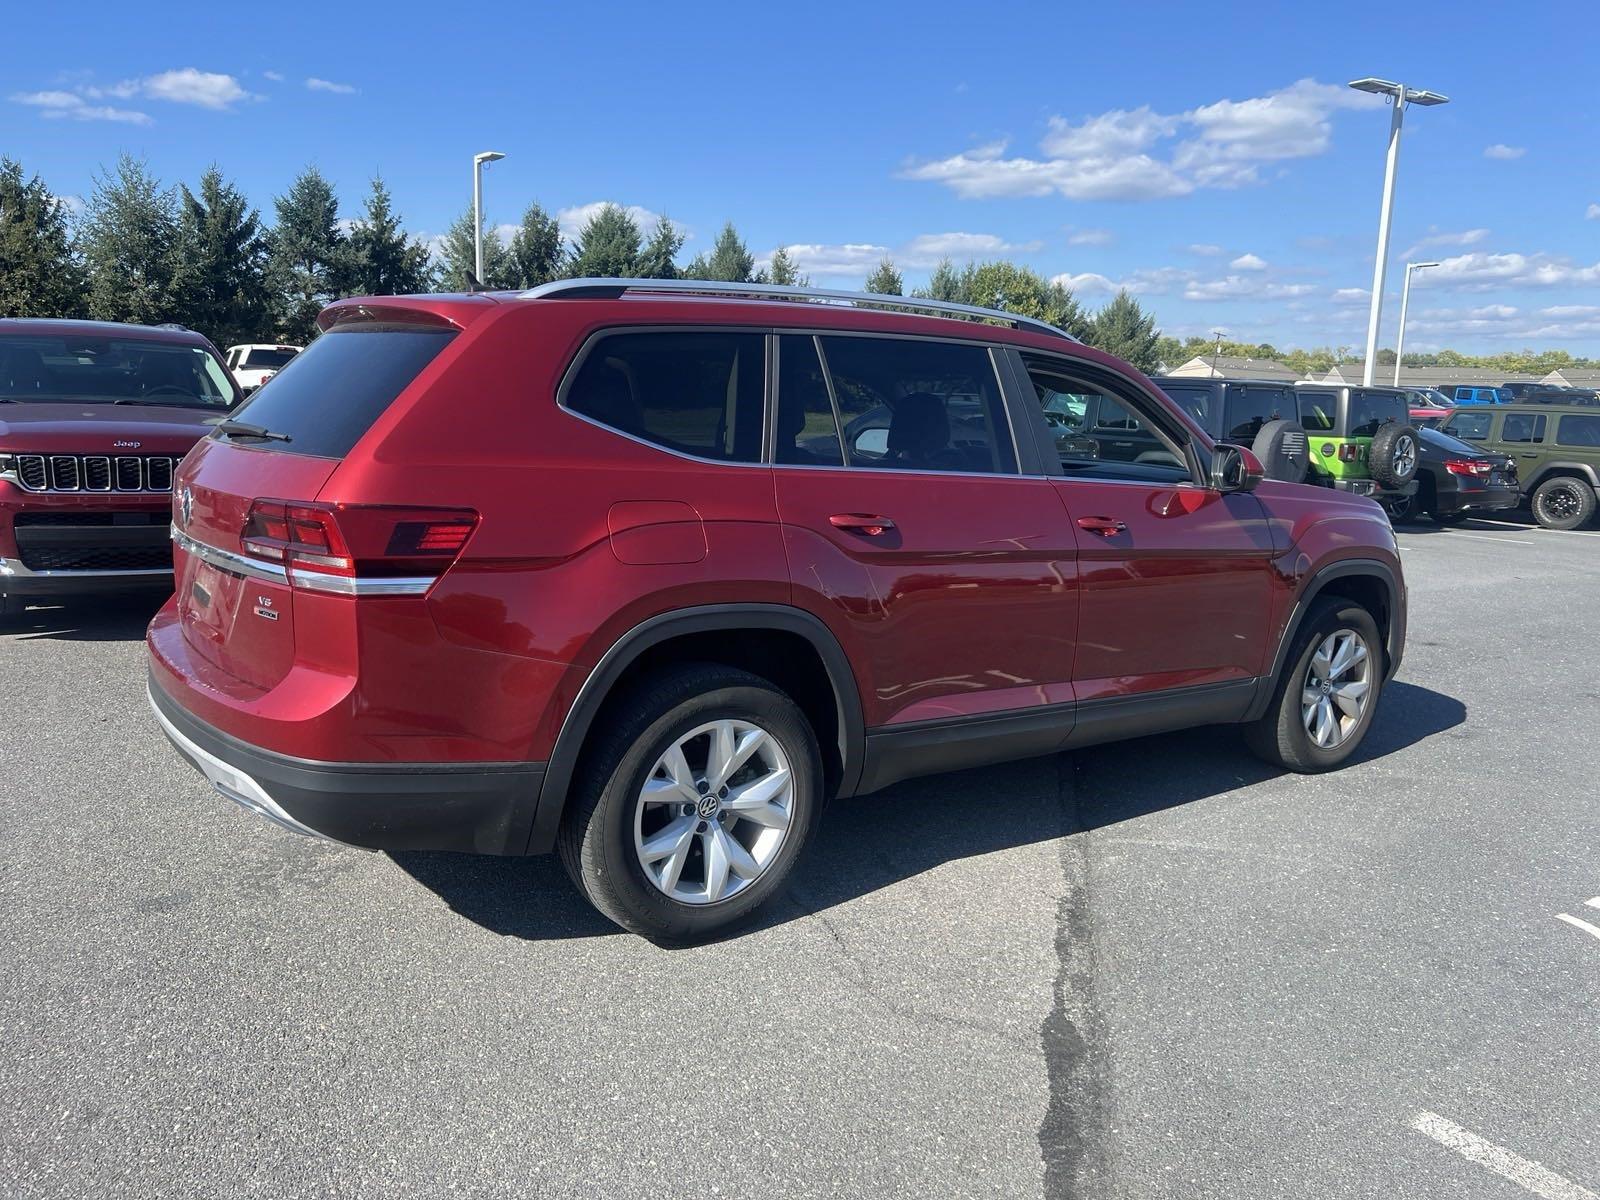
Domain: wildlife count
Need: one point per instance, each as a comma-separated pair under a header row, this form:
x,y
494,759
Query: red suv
x,y
647,571
94,418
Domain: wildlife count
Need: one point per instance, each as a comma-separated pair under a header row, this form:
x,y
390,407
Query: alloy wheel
x,y
714,812
1337,688
1405,456
1561,503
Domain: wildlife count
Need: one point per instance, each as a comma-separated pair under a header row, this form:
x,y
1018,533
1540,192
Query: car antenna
x,y
474,284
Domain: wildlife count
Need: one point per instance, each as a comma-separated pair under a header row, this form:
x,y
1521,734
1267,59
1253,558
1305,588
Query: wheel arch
x,y
1570,470
763,638
1370,582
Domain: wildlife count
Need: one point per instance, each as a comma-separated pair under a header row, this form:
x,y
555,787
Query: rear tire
x,y
1564,502
638,792
1323,703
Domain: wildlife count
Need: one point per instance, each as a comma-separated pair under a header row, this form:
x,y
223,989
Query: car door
x,y
945,571
1523,434
1176,579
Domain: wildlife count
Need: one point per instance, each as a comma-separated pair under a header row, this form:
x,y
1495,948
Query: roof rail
x,y
612,288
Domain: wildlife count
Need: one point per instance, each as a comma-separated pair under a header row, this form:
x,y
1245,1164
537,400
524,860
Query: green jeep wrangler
x,y
1360,439
1557,448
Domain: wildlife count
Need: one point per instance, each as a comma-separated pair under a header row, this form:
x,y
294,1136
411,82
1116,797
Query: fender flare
x,y
1546,470
710,618
1315,585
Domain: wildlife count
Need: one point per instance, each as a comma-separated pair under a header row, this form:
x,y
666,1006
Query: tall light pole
x,y
1405,301
1401,96
478,160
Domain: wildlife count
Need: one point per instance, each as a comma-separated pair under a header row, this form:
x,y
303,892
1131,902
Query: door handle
x,y
862,523
1104,526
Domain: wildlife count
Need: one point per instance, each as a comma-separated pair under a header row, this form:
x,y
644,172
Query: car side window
x,y
1578,429
808,430
1522,427
1101,436
915,404
697,392
1473,427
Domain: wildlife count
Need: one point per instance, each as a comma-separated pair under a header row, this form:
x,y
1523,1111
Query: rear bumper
x,y
1484,499
479,808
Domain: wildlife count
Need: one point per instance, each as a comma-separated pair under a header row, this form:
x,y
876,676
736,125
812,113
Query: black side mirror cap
x,y
1234,469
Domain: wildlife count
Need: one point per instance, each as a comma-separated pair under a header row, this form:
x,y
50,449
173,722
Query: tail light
x,y
357,548
1475,468
1349,452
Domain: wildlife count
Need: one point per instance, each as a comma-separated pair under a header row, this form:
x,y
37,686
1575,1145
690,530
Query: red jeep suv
x,y
94,418
647,571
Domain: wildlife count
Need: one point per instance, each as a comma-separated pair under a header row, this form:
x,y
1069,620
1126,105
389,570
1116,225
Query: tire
x,y
1283,734
1565,502
1392,459
609,828
1402,509
1282,448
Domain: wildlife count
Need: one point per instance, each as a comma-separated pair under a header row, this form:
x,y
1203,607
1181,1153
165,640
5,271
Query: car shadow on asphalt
x,y
872,842
120,618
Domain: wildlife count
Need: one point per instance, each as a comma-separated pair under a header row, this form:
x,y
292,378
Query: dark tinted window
x,y
1370,410
343,382
1474,426
694,392
1578,429
808,434
268,358
1521,427
1194,401
919,405
1317,410
97,369
1247,409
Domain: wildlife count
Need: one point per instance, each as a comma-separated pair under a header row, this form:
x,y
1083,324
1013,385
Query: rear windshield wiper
x,y
245,429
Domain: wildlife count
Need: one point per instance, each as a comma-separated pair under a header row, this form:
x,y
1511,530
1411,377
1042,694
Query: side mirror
x,y
1234,469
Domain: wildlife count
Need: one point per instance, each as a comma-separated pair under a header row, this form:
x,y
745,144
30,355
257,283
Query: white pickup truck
x,y
253,365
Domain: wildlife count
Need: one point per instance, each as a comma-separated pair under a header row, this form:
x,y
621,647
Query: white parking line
x,y
1478,537
1538,1179
1579,924
1593,901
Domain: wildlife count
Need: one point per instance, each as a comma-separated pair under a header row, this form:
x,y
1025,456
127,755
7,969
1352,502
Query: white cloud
x,y
1248,262
71,106
850,260
327,85
208,89
853,260
1467,237
927,249
1241,287
1091,237
1502,151
1205,249
572,220
1127,154
1352,295
275,76
1479,272
1088,283
1592,213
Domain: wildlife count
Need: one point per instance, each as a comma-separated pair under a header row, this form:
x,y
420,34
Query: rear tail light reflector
x,y
357,548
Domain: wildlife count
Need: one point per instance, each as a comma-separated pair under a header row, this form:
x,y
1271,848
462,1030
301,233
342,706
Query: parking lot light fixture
x,y
1405,300
478,160
1400,96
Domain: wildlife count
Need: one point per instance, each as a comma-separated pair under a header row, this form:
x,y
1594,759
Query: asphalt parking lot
x,y
1151,969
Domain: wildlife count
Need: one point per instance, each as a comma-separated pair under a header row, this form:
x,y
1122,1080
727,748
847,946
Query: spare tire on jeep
x,y
1392,458
1281,447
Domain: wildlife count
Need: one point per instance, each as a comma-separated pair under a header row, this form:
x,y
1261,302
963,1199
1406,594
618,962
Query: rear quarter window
x,y
333,391
1579,429
1472,426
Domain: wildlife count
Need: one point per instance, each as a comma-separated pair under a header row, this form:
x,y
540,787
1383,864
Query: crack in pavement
x,y
1072,1143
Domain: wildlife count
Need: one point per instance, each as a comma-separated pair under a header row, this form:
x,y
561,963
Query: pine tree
x,y
537,249
381,260
885,281
658,258
608,246
944,284
219,282
1124,329
456,258
782,270
40,275
730,260
128,233
309,257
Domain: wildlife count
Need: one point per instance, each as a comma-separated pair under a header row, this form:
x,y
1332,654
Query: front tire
x,y
1324,702
693,804
1564,502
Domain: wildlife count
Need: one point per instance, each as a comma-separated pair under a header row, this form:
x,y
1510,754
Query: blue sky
x,y
1212,160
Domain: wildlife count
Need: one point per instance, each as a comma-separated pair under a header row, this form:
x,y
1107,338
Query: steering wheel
x,y
173,388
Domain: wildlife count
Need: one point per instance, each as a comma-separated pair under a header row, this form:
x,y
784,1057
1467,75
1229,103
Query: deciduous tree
x,y
1124,329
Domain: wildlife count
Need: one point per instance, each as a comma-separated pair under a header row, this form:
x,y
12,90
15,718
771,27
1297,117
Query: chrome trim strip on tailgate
x,y
253,568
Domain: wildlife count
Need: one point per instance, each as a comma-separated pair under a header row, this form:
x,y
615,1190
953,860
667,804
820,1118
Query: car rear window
x,y
339,385
1578,429
1370,410
696,392
1247,409
1194,401
1317,411
268,358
